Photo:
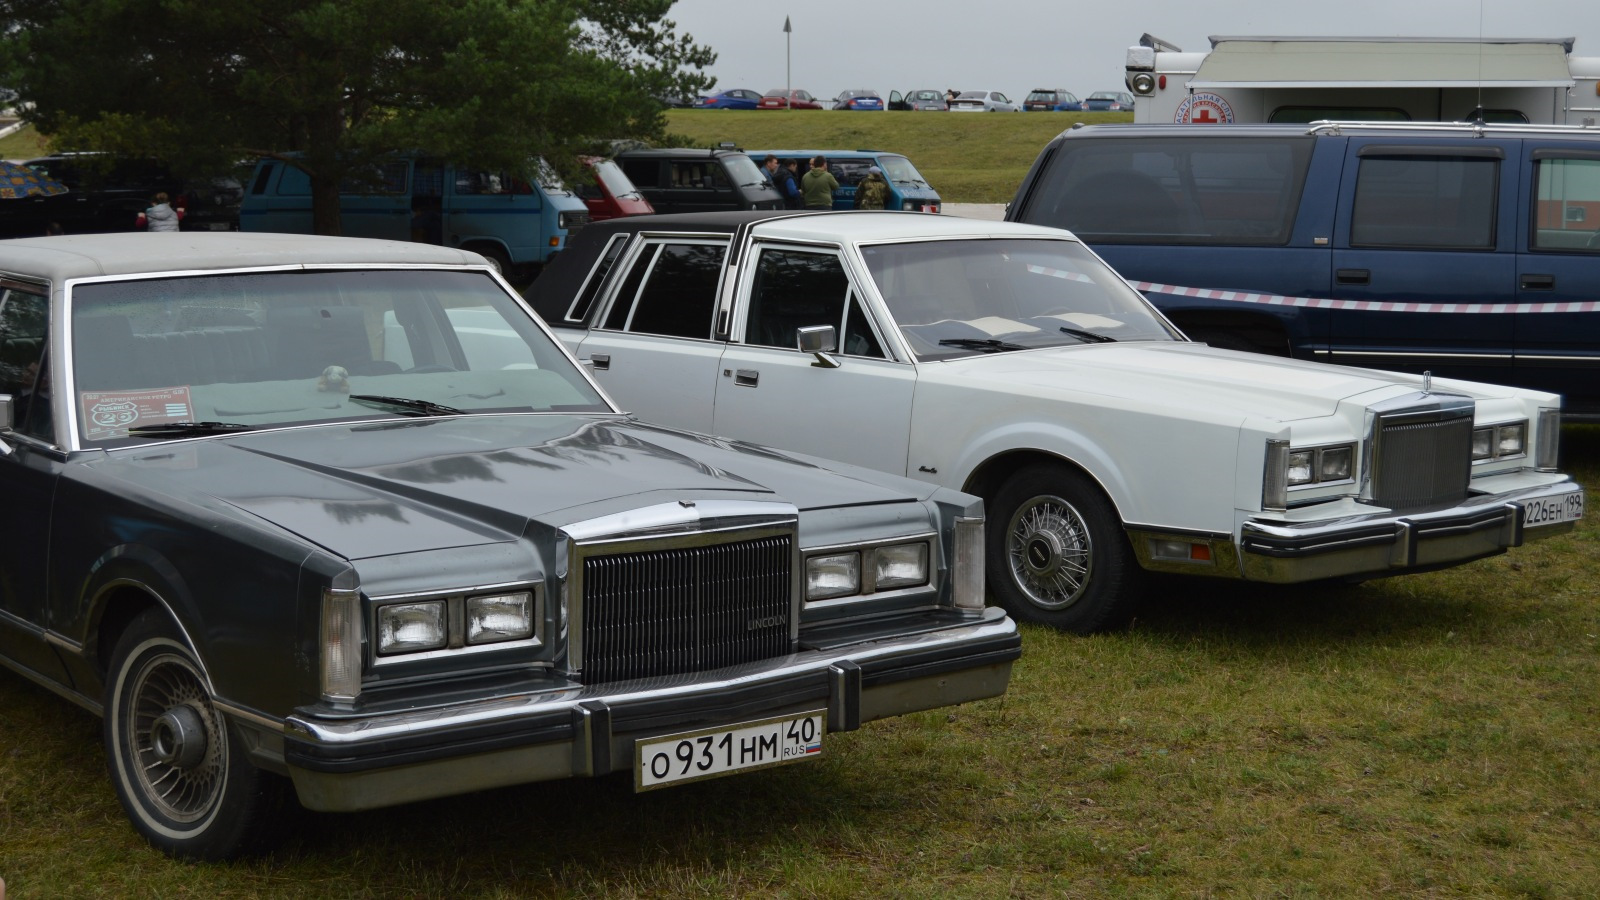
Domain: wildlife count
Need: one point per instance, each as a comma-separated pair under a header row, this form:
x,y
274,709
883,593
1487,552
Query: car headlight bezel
x,y
872,569
475,620
1500,441
1292,469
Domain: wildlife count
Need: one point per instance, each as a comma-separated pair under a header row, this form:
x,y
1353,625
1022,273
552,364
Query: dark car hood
x,y
396,487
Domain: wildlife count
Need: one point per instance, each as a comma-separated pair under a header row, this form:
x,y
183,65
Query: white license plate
x,y
1552,510
694,755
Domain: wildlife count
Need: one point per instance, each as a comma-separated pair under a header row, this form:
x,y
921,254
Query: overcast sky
x,y
1017,45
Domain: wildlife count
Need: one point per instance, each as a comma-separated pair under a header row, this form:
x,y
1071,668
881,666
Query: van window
x,y
671,291
1300,115
263,176
702,173
642,172
1418,201
294,182
1566,204
1185,190
388,178
471,183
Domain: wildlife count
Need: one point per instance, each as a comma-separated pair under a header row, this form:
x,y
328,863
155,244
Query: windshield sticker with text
x,y
109,414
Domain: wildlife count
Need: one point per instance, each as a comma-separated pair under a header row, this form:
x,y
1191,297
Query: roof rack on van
x,y
1325,126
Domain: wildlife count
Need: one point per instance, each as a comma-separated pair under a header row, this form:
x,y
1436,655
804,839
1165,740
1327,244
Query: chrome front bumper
x,y
1380,544
364,762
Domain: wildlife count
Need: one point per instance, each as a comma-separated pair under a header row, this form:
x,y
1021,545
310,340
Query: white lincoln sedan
x,y
1009,361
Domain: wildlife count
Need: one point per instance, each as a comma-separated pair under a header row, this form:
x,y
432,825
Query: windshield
x,y
743,172
966,297
271,349
899,170
610,175
548,179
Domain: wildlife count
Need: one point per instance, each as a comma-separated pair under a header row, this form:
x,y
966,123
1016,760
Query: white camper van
x,y
1370,79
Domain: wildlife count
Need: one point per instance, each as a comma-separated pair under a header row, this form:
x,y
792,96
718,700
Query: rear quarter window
x,y
1229,191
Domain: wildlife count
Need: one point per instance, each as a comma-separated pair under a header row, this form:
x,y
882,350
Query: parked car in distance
x,y
609,194
340,517
1462,251
918,100
106,194
778,98
1008,361
518,220
1108,101
859,100
908,190
736,98
983,101
693,180
1052,100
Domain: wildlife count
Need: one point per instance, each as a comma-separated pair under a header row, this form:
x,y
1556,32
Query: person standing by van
x,y
818,186
872,192
782,177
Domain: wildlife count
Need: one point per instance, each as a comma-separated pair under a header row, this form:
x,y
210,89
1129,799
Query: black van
x,y
1470,251
687,180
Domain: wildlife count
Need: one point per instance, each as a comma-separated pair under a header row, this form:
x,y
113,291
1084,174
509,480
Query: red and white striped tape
x,y
1577,306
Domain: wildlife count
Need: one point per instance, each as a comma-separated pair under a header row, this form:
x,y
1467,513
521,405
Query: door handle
x,y
746,377
600,361
1538,282
1352,276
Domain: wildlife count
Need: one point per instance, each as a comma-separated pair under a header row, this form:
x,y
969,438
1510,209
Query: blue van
x,y
1466,250
517,223
908,189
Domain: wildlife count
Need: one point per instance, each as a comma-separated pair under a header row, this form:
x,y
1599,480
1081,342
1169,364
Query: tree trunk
x,y
325,205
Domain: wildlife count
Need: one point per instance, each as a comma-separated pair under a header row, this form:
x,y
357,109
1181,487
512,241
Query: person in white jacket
x,y
161,216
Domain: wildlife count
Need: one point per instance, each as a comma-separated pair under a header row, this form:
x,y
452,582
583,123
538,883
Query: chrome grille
x,y
684,609
1423,460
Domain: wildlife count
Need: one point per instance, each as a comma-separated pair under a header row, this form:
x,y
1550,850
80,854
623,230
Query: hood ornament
x,y
1427,382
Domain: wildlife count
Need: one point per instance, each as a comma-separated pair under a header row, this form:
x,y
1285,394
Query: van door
x,y
377,204
1423,224
492,210
696,185
1558,266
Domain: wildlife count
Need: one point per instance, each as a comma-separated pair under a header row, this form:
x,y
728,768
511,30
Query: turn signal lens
x,y
966,570
341,644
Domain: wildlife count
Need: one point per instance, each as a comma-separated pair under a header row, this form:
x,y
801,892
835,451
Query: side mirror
x,y
6,415
820,340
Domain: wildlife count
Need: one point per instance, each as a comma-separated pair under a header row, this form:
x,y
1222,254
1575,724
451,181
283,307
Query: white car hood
x,y
1191,376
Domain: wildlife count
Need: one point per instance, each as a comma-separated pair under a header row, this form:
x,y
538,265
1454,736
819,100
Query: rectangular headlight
x,y
1511,440
499,617
1300,469
1482,443
411,627
901,565
837,575
1333,463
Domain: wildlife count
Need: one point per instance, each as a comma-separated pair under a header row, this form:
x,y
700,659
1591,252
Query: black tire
x,y
180,770
1057,553
497,259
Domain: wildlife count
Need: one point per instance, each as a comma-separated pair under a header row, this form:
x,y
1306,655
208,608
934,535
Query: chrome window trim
x,y
652,241
594,271
738,330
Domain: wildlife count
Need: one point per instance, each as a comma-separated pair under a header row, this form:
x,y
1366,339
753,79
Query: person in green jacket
x,y
818,186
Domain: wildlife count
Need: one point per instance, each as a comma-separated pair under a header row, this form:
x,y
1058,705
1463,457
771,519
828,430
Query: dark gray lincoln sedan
x,y
344,511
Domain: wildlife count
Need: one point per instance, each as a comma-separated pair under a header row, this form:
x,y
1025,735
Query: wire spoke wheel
x,y
1050,552
175,739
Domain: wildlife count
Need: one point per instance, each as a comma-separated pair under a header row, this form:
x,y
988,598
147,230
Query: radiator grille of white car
x,y
1423,459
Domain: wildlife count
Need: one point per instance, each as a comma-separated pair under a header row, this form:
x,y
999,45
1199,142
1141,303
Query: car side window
x,y
24,338
1566,203
1420,201
642,172
703,174
671,291
796,289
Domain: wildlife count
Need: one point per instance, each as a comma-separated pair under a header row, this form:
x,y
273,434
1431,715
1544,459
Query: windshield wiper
x,y
168,429
989,345
1088,337
412,407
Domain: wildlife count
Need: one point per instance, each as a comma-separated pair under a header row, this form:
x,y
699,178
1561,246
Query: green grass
x,y
25,143
967,157
1426,735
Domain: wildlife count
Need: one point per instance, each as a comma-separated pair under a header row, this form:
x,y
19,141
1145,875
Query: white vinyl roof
x,y
1284,62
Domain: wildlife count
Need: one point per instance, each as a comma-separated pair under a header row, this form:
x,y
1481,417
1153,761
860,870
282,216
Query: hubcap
x,y
1050,552
174,739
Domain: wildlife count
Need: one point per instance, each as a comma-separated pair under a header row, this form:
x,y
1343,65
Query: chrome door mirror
x,y
820,340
